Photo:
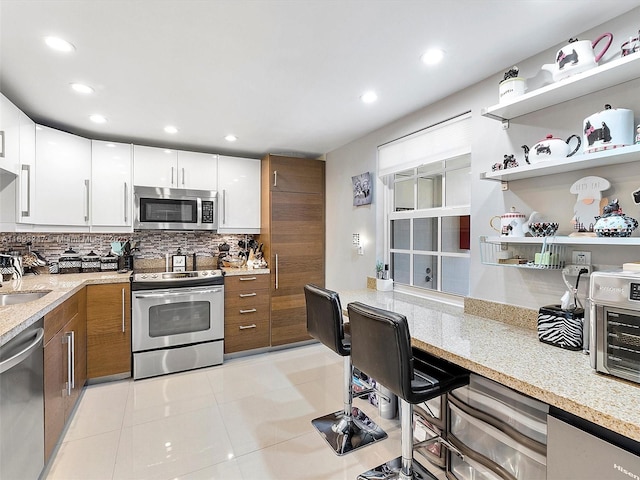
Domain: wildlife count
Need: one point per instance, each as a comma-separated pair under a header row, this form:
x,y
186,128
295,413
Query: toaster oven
x,y
614,323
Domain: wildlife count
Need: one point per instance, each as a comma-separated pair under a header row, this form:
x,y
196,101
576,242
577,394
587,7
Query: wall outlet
x,y
574,270
581,258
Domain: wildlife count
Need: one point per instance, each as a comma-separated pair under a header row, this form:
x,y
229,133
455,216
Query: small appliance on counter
x,y
614,323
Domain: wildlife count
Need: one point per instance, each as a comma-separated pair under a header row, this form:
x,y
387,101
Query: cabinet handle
x,y
70,341
276,271
246,327
73,359
126,202
27,168
172,176
275,178
251,310
224,206
183,176
86,186
247,279
243,295
123,310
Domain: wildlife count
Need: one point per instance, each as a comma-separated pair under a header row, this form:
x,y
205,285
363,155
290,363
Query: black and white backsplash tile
x,y
150,245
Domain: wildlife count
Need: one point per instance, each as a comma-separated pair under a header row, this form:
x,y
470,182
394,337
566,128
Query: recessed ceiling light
x,y
230,138
369,97
170,129
432,56
59,44
97,118
82,88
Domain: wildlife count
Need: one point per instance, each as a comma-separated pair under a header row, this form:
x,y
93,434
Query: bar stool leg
x,y
348,429
404,467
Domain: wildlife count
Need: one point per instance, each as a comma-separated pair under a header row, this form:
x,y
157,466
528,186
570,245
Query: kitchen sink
x,y
14,298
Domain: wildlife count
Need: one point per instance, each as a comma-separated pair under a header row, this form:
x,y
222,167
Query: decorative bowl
x,y
615,226
233,262
543,229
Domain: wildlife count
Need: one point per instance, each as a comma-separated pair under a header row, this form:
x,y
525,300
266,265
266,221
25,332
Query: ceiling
x,y
284,76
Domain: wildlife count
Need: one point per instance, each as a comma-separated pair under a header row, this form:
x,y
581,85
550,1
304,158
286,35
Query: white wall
x,y
549,195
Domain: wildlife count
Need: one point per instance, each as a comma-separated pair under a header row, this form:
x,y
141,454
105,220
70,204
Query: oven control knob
x,y
204,274
143,276
155,275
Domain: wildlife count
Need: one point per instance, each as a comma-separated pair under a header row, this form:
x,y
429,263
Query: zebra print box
x,y
562,328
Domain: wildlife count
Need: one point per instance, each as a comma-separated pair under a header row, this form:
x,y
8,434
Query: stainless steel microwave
x,y
175,209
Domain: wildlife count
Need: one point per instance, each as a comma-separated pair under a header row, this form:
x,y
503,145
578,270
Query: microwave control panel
x,y
634,291
207,211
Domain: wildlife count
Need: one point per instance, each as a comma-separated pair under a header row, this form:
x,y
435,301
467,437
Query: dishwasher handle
x,y
23,354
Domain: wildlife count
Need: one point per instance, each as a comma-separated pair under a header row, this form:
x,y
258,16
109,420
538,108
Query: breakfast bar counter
x,y
513,356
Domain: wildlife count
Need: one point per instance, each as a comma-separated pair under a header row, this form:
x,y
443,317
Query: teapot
x,y
513,224
576,57
551,148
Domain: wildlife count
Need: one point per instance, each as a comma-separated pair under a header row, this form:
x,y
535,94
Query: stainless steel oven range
x,y
614,322
177,321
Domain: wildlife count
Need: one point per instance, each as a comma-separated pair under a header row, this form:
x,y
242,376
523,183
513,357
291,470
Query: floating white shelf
x,y
564,240
569,164
607,75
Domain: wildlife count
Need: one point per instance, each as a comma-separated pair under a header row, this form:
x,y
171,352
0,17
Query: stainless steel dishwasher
x,y
22,405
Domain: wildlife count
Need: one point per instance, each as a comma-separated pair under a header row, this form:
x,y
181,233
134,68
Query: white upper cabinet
x,y
160,167
111,187
27,186
197,171
155,167
9,135
63,176
238,195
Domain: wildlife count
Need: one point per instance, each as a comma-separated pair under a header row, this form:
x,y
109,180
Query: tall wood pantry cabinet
x,y
293,233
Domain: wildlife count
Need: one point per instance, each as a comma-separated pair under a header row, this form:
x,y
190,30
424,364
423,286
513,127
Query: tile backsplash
x,y
151,244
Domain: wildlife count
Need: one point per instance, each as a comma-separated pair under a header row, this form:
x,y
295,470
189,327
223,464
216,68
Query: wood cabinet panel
x,y
246,312
243,283
291,174
59,316
108,330
293,233
54,379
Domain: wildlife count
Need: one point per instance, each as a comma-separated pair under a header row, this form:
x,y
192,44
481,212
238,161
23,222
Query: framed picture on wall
x,y
362,189
1,143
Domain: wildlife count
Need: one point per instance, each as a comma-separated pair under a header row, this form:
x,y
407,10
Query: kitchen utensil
x,y
512,224
551,148
576,57
608,129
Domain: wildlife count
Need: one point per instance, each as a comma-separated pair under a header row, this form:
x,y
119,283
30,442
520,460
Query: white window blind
x,y
448,139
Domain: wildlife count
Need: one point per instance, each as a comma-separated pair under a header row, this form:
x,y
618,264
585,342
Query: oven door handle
x,y
181,293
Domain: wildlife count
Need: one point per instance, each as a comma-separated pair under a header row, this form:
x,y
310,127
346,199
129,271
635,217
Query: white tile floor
x,y
248,419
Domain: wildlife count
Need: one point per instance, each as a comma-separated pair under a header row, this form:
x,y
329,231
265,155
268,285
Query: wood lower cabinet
x,y
65,365
293,233
246,312
108,330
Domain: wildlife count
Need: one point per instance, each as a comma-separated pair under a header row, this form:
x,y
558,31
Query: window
x,y
428,217
429,227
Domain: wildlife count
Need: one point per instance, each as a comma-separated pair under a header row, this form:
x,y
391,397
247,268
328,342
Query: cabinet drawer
x,y
236,301
246,332
251,282
59,316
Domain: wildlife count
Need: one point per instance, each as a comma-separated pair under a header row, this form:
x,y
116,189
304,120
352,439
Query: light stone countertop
x,y
514,357
230,271
16,318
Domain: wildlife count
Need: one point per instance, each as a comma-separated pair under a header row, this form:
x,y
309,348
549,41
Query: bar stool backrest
x,y
381,347
324,318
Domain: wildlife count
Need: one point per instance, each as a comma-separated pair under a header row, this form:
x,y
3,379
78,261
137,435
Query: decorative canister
x,y
512,85
109,263
91,262
611,128
70,262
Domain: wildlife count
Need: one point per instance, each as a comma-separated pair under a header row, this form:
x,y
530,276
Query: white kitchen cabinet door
x,y
9,135
238,195
27,184
111,189
63,176
155,167
197,171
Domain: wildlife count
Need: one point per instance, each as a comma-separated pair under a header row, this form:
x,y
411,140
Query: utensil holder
x,y
561,328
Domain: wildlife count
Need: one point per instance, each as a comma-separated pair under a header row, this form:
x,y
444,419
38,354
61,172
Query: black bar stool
x,y
347,429
381,347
